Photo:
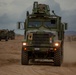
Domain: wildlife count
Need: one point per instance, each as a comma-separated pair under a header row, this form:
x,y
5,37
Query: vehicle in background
x,y
4,34
11,34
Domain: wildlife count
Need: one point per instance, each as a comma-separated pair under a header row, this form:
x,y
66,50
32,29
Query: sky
x,y
13,11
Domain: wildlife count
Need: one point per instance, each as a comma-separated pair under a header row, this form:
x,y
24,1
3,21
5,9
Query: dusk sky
x,y
12,11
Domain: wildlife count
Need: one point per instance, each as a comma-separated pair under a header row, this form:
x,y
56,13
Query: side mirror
x,y
66,26
24,25
21,25
18,25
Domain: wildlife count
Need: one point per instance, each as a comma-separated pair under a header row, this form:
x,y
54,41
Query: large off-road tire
x,y
24,58
62,54
6,39
57,58
11,38
0,39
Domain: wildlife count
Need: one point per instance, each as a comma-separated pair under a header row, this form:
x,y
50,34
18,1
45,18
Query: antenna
x,y
53,12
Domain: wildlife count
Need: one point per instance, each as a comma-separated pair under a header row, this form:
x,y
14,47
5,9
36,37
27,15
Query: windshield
x,y
51,23
34,24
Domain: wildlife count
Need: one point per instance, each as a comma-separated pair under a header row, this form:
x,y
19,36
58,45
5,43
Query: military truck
x,y
4,34
11,34
43,35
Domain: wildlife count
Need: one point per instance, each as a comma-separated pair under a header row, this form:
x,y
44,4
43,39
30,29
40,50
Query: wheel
x,y
57,58
24,58
62,55
62,48
14,38
11,38
6,39
33,60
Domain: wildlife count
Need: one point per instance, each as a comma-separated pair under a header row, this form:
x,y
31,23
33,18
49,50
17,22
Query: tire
x,y
57,58
33,60
11,38
62,52
6,39
14,38
24,58
62,55
0,38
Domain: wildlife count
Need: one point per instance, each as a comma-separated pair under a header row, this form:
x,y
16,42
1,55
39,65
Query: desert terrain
x,y
10,60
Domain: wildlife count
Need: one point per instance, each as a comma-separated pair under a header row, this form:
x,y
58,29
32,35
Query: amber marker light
x,y
55,49
25,48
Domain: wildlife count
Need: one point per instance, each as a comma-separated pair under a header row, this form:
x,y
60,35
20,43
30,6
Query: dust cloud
x,y
70,52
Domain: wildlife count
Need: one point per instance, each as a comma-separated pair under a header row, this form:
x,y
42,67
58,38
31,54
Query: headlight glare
x,y
56,44
24,43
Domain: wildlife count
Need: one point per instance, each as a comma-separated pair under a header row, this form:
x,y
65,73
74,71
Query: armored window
x,y
34,24
53,21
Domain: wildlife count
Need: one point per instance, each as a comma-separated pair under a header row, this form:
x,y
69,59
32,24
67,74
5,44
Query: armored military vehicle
x,y
11,34
43,35
4,34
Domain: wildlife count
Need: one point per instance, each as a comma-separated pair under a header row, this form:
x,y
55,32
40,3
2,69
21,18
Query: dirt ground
x,y
10,55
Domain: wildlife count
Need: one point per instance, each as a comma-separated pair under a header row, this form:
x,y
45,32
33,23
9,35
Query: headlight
x,y
24,43
56,44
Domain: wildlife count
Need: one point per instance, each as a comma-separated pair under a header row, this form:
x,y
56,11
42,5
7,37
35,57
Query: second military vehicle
x,y
44,35
4,34
11,34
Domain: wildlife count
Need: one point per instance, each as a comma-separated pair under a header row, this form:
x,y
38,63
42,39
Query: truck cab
x,y
43,36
